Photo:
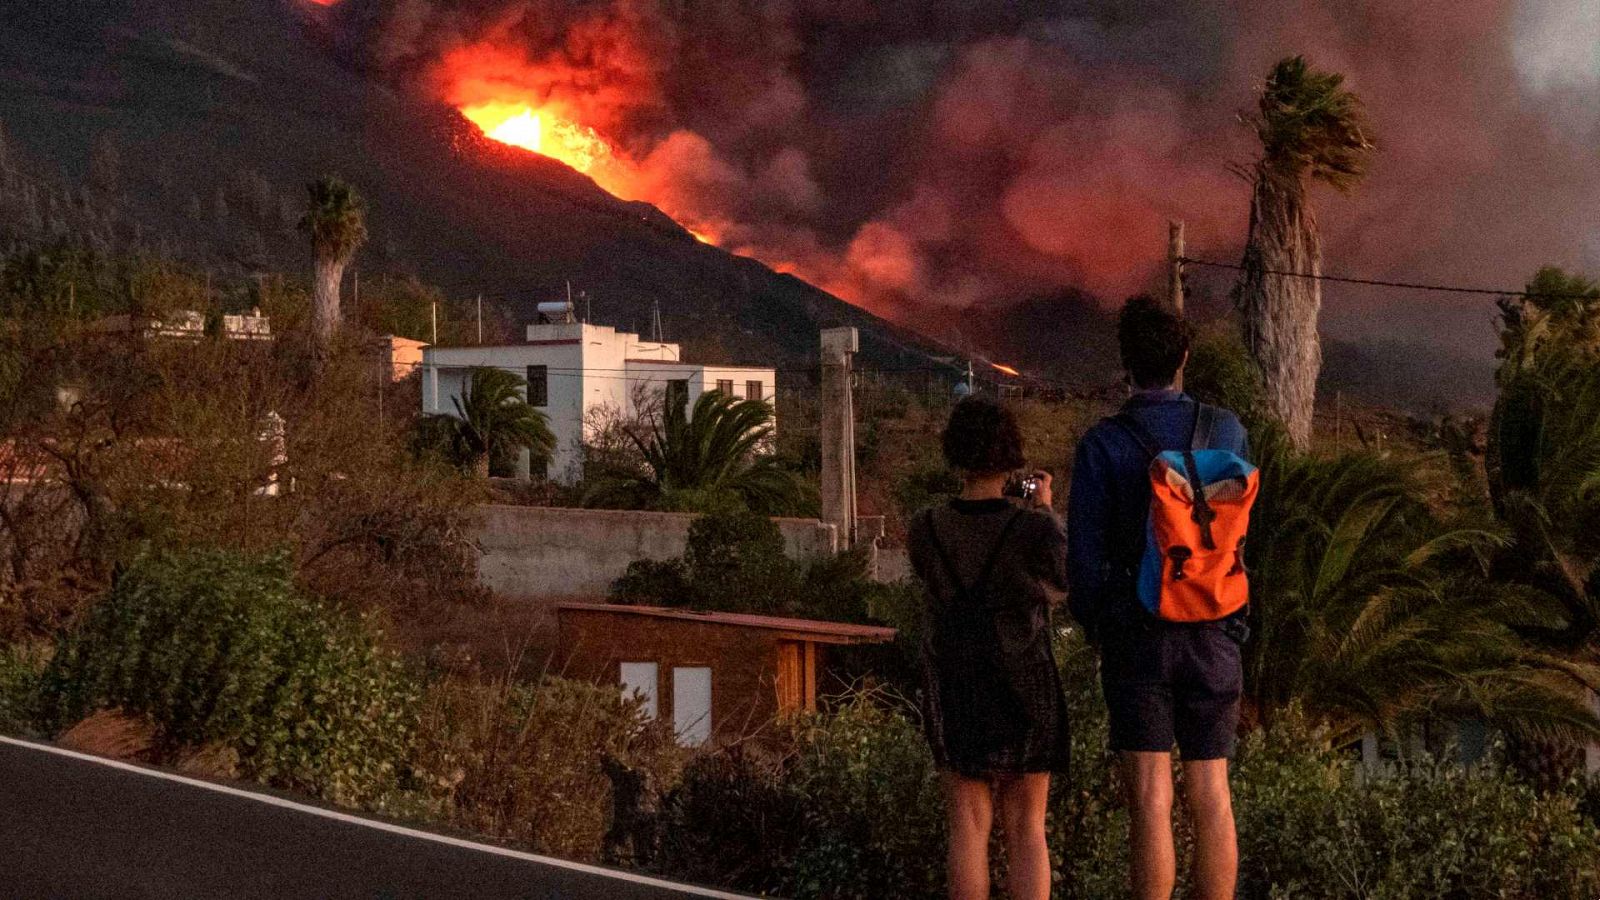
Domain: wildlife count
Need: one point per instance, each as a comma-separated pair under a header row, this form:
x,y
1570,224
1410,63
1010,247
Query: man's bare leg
x,y
969,809
1216,864
1149,786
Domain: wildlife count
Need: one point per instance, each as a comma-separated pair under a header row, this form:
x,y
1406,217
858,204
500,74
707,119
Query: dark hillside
x,y
200,121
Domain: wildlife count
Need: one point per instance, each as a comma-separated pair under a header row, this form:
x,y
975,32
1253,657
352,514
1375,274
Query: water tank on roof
x,y
555,311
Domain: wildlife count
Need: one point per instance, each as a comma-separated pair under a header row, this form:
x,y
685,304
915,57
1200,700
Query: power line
x,y
1378,282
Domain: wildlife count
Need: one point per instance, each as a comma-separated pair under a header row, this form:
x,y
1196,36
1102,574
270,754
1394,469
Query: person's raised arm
x,y
1088,510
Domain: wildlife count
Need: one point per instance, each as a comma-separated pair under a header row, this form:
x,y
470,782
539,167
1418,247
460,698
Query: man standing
x,y
1165,682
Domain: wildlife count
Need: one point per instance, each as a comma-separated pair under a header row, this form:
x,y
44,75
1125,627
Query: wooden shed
x,y
715,676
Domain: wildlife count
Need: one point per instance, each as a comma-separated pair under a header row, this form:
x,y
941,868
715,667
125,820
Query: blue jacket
x,y
1109,501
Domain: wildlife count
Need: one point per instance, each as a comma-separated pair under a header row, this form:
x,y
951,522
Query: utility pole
x,y
1175,278
1175,267
839,346
433,314
480,318
970,387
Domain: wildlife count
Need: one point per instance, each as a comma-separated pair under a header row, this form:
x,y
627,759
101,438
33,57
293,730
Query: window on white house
x,y
725,387
677,393
752,391
538,385
641,679
691,705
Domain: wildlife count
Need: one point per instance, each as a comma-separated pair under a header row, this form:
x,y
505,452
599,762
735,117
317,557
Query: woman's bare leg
x,y
969,806
1022,800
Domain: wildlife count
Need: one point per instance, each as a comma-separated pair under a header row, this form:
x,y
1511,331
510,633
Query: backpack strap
x,y
1205,421
1203,514
975,594
1141,435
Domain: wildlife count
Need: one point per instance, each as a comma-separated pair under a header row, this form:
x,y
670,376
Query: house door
x,y
691,704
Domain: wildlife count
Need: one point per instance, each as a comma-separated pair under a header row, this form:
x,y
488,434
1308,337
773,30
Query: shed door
x,y
639,680
691,704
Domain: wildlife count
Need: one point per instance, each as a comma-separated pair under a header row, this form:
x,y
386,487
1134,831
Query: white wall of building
x,y
588,368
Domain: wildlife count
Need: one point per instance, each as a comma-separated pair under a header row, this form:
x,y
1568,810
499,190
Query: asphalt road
x,y
79,827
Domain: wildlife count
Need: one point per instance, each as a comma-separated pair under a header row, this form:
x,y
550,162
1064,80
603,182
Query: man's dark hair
x,y
983,438
1153,342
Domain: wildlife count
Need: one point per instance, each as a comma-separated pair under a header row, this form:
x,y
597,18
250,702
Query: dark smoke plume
x,y
909,154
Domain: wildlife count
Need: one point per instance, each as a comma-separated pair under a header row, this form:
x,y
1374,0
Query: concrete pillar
x,y
839,346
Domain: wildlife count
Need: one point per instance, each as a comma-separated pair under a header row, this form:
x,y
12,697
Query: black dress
x,y
991,699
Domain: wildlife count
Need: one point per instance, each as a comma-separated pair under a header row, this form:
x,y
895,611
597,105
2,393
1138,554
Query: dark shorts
x,y
1172,683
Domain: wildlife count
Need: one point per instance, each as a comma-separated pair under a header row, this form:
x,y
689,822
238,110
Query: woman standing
x,y
992,703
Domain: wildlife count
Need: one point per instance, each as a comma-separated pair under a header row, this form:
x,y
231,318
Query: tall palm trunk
x,y
325,315
1280,311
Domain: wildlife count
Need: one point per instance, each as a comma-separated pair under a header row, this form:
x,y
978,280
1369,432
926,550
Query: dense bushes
x,y
736,562
218,649
19,690
527,762
1311,827
853,811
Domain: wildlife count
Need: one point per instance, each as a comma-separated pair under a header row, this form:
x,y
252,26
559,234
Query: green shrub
x,y
525,762
1221,372
218,648
736,562
873,820
1311,826
654,582
20,668
732,821
925,486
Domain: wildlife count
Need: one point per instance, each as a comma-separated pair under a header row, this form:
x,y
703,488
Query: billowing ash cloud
x,y
908,153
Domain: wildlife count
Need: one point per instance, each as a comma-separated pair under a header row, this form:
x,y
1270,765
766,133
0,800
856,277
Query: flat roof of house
x,y
813,629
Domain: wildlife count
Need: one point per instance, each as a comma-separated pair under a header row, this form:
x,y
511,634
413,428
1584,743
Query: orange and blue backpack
x,y
1192,568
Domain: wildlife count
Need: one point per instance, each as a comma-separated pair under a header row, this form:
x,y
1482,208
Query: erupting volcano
x,y
573,112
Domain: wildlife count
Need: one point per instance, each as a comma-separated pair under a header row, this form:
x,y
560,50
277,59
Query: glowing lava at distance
x,y
572,114
519,125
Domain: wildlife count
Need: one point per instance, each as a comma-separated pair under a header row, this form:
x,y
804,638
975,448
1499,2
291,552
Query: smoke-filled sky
x,y
905,153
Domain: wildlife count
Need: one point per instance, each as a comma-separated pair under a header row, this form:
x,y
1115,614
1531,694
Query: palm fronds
x,y
490,419
718,449
335,219
1309,125
1372,613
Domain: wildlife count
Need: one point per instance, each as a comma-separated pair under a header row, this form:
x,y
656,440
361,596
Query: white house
x,y
575,368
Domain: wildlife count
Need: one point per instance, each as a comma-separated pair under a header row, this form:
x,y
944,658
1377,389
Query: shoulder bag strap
x,y
963,593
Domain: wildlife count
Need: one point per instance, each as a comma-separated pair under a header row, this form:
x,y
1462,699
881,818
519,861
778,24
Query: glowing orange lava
x,y
1006,369
520,125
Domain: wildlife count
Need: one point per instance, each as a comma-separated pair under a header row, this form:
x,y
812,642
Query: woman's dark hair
x,y
1153,342
983,437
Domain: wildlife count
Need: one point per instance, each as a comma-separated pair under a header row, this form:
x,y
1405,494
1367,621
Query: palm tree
x,y
336,222
1543,467
1372,614
716,453
1311,129
491,420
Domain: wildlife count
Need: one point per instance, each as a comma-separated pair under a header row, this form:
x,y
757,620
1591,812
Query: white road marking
x,y
391,828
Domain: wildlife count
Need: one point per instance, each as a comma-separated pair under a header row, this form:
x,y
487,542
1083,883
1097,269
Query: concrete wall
x,y
554,553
